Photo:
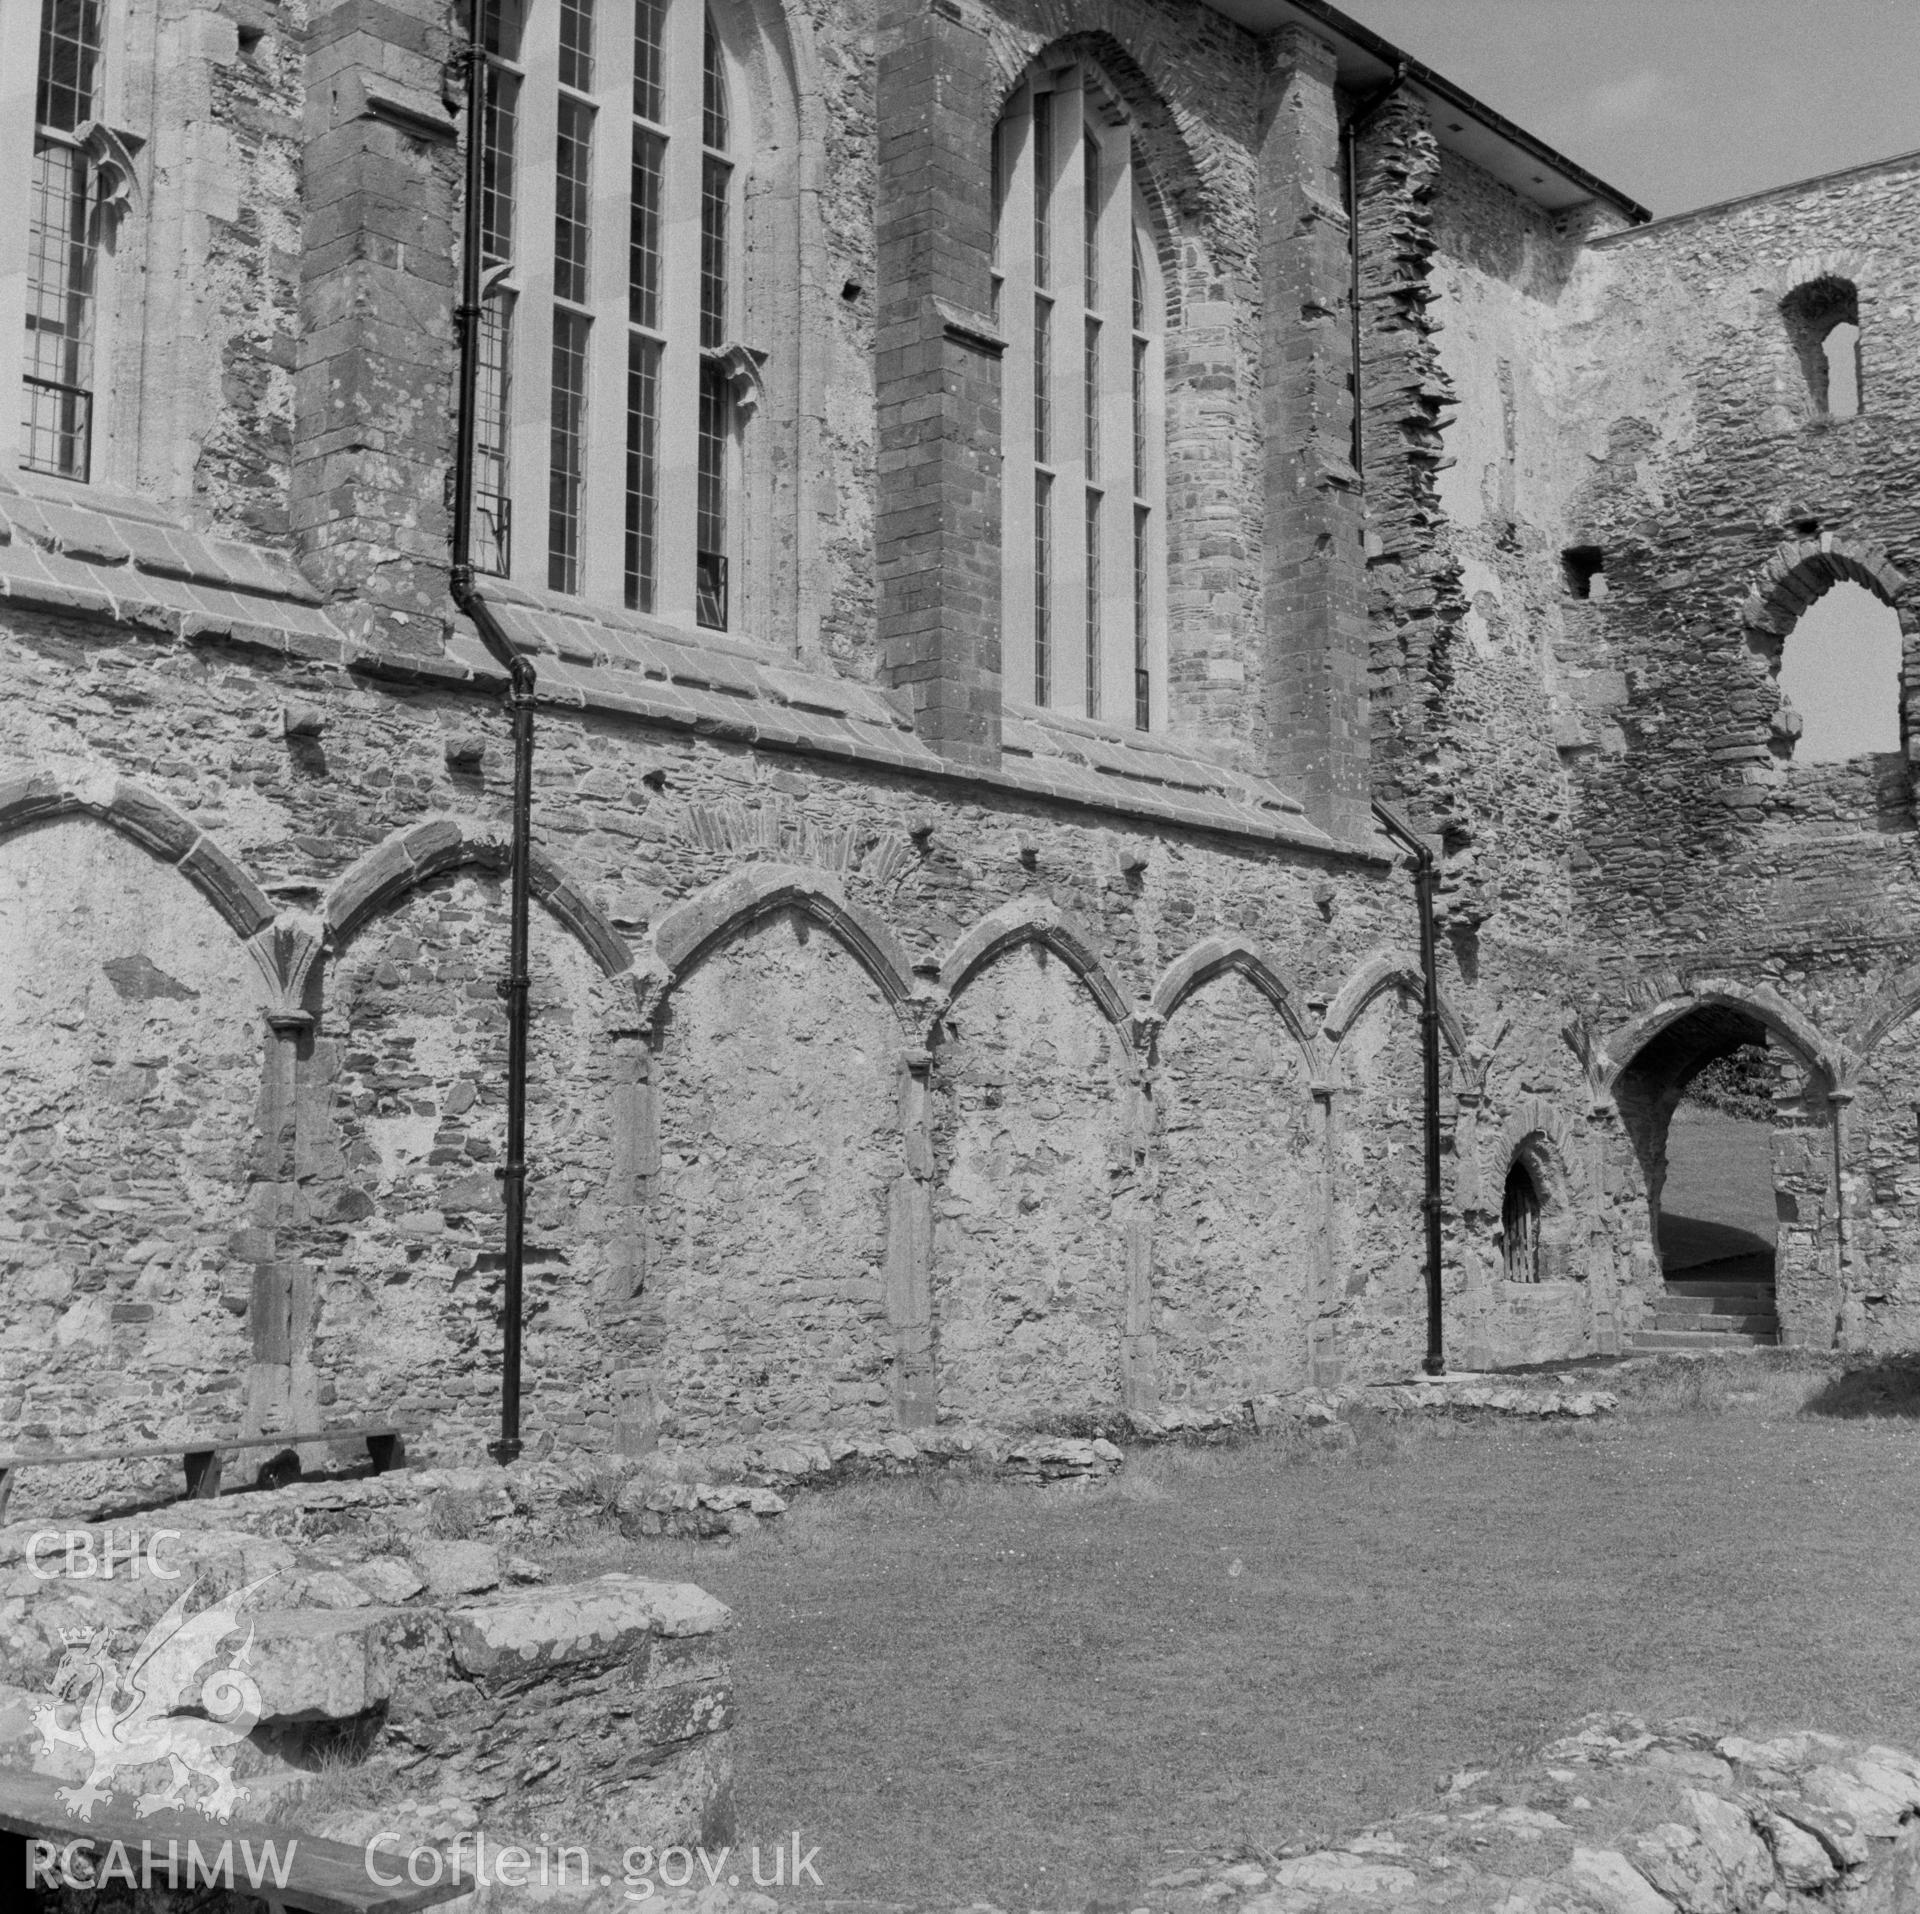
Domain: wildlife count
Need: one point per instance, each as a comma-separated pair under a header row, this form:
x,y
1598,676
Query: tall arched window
x,y
1078,298
608,444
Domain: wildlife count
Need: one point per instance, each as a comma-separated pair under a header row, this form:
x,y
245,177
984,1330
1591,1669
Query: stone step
x,y
1648,1341
1767,1324
1742,1305
1719,1286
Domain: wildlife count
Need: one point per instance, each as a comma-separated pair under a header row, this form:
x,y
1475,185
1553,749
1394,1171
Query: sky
x,y
1679,103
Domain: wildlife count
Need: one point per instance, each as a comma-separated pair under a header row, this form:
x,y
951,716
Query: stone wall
x,y
901,1053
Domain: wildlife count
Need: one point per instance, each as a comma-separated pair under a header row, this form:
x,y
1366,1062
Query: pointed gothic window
x,y
1078,298
609,428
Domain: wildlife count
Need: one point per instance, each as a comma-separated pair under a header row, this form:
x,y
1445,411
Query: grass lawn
x,y
1040,1698
1718,1199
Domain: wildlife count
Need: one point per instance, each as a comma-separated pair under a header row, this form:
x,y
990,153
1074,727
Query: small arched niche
x,y
1535,1217
1823,325
1520,1224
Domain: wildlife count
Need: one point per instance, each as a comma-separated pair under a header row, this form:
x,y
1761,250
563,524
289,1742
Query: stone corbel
x,y
286,951
649,980
740,365
1145,1023
112,153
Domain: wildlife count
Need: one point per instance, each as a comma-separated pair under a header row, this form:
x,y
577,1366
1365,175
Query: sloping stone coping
x,y
126,561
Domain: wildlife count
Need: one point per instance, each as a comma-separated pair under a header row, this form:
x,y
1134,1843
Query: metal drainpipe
x,y
468,597
1423,880
1350,132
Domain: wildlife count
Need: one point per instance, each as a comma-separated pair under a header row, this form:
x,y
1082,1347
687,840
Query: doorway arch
x,y
1740,1242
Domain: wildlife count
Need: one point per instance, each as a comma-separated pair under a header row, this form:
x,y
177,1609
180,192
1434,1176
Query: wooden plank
x,y
193,1445
322,1877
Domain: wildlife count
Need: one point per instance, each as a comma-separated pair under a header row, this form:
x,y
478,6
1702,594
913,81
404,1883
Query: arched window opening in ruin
x,y
1077,293
1841,349
1840,676
1823,326
1520,1224
1698,1104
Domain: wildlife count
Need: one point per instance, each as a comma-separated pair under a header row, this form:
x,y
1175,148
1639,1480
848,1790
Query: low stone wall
x,y
1621,1816
393,1662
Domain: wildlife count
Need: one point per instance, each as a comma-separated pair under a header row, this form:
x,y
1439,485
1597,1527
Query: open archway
x,y
1697,1101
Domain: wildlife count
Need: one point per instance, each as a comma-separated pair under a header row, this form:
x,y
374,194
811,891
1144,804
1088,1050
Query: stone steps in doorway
x,y
1671,1305
1767,1325
1650,1341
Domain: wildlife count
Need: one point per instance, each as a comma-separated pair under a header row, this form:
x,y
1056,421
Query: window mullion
x,y
603,530
1068,386
530,385
1016,398
1115,242
683,59
1152,496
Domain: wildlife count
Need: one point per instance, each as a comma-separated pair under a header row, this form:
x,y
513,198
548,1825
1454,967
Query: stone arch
x,y
137,1088
1643,1067
1029,921
1897,1000
379,878
775,1064
1239,1144
161,829
1386,970
1615,1052
1799,570
1533,1121
1169,176
1806,269
1208,959
1536,1137
696,924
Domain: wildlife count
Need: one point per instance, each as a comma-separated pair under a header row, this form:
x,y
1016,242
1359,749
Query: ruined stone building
x,y
917,451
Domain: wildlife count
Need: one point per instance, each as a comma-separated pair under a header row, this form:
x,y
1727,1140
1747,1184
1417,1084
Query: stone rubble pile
x,y
1619,1817
429,1665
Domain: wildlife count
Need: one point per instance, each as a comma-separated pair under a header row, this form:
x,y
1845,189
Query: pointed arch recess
x,y
378,879
1026,921
167,833
1616,1051
1216,955
1170,178
1567,1166
1898,998
1384,970
1801,570
691,928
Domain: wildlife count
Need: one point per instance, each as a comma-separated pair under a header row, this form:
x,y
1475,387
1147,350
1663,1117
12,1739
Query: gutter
x,y
1402,832
1412,73
472,603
